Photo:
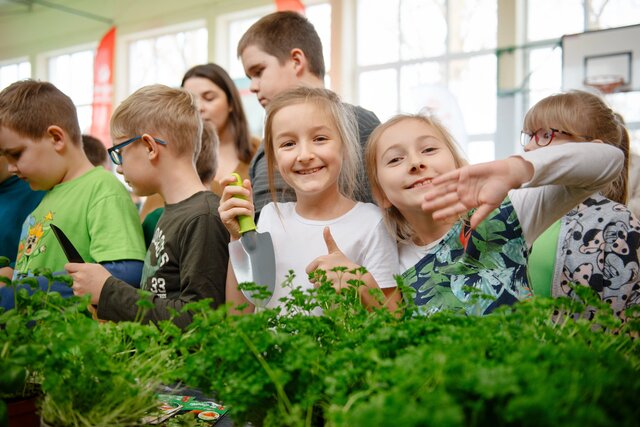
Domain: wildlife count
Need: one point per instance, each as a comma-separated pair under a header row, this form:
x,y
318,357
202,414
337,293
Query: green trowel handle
x,y
245,221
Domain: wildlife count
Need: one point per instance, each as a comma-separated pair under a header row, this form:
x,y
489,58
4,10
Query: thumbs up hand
x,y
334,258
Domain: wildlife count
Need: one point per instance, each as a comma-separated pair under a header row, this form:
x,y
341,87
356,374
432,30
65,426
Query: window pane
x,y
550,19
58,70
236,29
320,16
84,117
481,151
13,72
418,82
474,24
473,83
625,103
377,31
73,75
546,73
619,13
81,77
423,28
165,59
379,93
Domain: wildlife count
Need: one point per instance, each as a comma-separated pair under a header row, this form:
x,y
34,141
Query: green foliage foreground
x,y
530,364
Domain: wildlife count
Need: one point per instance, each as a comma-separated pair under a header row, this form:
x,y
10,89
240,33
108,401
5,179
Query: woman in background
x,y
220,106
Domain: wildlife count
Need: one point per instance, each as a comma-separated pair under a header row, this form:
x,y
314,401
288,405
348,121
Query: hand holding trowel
x,y
252,257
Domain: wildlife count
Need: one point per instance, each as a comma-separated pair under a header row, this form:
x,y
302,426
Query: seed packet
x,y
204,411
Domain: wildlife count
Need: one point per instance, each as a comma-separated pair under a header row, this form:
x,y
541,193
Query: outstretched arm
x,y
483,186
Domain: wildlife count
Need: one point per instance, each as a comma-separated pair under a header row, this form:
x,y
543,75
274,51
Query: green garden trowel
x,y
253,259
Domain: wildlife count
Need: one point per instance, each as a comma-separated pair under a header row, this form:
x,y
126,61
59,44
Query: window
x,y
543,63
72,73
164,56
452,76
13,71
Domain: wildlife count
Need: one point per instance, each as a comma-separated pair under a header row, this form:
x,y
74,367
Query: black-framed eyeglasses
x,y
116,155
543,137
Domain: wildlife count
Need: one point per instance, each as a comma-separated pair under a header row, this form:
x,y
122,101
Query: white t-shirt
x,y
360,234
564,175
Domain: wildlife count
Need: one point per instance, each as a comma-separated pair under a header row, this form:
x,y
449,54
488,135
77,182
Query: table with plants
x,y
542,362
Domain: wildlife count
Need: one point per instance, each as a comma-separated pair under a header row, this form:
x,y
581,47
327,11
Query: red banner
x,y
294,5
103,87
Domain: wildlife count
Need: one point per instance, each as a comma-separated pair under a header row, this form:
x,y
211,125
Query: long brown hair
x,y
238,122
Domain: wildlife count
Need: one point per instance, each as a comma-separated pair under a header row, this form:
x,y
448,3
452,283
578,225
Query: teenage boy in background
x,y
41,140
157,135
279,52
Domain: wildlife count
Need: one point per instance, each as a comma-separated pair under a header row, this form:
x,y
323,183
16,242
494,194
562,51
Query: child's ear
x,y
150,145
299,59
57,136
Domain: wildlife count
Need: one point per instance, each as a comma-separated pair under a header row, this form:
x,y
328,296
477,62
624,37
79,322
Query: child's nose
x,y
119,169
254,86
417,164
531,145
305,152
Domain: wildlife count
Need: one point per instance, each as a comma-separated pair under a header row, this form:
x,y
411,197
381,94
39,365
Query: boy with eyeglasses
x,y
157,136
41,141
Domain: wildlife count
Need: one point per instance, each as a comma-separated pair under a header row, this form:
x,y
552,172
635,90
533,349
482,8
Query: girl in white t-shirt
x,y
310,138
463,227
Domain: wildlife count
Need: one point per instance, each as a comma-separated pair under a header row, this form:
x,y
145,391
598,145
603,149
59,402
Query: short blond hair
x,y
166,113
344,120
586,117
394,220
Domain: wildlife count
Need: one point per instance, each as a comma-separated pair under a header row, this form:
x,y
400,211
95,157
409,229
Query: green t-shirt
x,y
149,224
95,211
542,261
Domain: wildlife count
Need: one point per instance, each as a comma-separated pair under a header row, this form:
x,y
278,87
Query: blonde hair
x,y
166,113
395,221
344,120
586,117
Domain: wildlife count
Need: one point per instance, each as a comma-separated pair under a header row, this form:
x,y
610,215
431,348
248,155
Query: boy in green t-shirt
x,y
157,135
41,140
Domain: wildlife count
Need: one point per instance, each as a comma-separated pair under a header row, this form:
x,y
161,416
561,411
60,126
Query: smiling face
x,y
36,162
308,149
212,102
409,154
268,77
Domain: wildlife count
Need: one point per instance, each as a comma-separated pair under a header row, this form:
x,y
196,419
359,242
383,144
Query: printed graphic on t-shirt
x,y
155,258
32,242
